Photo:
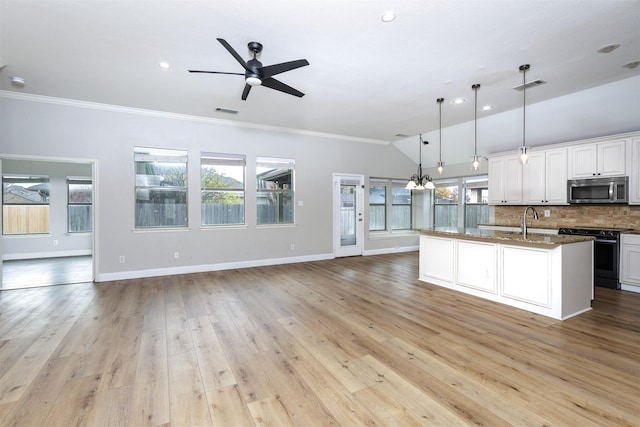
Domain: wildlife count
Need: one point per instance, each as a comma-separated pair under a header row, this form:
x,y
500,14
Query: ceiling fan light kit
x,y
258,75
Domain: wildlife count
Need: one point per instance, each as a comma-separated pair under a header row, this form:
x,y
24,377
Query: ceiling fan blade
x,y
272,70
245,92
215,72
232,51
278,85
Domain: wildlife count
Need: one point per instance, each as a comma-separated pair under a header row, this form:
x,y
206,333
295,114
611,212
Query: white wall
x,y
63,130
44,245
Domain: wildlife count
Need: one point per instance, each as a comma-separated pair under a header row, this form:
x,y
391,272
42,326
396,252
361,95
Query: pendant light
x,y
524,151
440,164
475,160
418,181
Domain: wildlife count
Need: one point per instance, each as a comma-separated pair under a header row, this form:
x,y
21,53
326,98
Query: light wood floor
x,y
30,273
347,342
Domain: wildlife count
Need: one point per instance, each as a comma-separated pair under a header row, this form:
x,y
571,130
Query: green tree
x,y
216,182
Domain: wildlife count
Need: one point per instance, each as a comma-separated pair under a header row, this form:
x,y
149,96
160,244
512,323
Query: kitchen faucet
x,y
524,220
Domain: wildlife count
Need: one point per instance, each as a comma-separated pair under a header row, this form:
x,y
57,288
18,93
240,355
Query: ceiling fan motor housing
x,y
252,76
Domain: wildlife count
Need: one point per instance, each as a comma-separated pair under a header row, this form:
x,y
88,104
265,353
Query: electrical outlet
x,y
547,213
55,243
176,255
293,247
121,259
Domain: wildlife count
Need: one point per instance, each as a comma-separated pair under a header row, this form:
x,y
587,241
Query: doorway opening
x,y
348,214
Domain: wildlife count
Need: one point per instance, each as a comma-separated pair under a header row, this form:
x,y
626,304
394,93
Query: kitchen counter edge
x,y
544,241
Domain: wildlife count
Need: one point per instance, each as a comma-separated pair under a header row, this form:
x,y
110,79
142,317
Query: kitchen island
x,y
550,275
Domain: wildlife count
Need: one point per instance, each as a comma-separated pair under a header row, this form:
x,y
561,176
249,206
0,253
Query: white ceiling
x,y
367,80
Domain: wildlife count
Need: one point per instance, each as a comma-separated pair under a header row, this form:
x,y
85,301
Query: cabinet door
x,y
476,265
611,158
512,180
496,182
556,176
583,161
630,259
522,282
534,179
634,175
436,258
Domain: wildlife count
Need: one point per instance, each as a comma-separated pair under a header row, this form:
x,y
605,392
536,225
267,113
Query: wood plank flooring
x,y
30,273
346,342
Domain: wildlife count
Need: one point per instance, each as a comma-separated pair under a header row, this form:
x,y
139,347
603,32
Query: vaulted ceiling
x,y
367,79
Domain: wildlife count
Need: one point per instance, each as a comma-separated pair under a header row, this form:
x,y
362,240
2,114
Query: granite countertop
x,y
546,241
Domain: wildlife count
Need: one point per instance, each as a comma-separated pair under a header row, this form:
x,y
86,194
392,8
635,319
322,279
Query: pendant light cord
x,y
475,87
524,69
439,101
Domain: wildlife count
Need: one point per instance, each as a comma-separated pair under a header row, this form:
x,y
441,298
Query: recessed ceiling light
x,y
487,107
17,81
388,16
608,48
459,101
164,65
631,65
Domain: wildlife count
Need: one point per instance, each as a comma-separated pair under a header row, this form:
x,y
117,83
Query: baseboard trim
x,y
139,274
391,250
49,254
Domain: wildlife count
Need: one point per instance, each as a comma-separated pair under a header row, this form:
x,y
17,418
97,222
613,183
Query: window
x,y
222,188
476,201
161,188
79,205
399,211
25,204
445,204
377,205
274,190
474,205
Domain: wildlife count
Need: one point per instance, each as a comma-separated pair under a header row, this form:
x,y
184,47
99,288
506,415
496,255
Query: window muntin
x,y
79,205
390,205
222,178
274,191
25,204
445,204
161,188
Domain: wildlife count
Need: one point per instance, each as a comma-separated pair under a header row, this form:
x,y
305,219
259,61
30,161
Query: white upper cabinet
x,y
597,160
505,180
634,175
545,178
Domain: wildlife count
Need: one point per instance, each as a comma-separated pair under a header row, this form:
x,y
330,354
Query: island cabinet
x,y
630,262
545,178
505,180
598,159
548,275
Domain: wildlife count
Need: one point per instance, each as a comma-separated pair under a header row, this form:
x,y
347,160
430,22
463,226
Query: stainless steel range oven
x,y
606,254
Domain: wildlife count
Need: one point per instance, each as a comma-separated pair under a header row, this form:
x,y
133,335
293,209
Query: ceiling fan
x,y
256,74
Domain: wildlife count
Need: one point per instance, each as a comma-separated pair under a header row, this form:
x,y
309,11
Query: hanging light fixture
x,y
524,151
475,160
418,181
440,164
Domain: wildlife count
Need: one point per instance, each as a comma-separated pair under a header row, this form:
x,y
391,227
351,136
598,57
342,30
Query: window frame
x,y
463,183
279,194
225,160
389,184
160,156
70,203
35,205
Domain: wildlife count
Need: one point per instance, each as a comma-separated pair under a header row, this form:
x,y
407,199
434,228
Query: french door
x,y
348,214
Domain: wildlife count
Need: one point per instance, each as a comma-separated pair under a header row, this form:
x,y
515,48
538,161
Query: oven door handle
x,y
614,241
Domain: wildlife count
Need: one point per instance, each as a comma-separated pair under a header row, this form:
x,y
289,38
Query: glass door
x,y
348,214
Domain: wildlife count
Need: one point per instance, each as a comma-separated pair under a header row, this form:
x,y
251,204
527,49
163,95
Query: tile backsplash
x,y
601,216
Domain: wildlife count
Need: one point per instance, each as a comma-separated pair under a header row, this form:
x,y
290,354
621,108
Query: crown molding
x,y
177,116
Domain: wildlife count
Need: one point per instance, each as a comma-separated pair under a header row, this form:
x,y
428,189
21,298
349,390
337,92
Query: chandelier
x,y
418,181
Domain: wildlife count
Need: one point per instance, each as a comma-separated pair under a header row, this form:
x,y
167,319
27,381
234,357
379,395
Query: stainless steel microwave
x,y
598,190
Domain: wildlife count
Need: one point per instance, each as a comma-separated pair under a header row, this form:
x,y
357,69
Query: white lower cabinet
x,y
525,275
630,262
476,265
555,282
439,263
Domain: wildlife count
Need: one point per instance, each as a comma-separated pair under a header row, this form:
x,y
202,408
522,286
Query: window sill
x,y
160,229
223,227
373,235
276,226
